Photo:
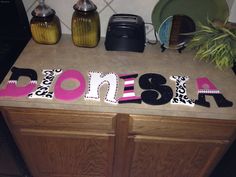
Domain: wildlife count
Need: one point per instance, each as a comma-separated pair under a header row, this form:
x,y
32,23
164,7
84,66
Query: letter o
x,y
64,94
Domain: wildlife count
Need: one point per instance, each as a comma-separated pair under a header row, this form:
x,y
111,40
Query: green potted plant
x,y
215,42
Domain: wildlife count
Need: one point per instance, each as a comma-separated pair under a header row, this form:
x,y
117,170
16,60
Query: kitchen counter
x,y
65,55
91,138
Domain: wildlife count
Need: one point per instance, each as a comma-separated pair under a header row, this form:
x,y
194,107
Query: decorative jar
x,y
45,25
85,24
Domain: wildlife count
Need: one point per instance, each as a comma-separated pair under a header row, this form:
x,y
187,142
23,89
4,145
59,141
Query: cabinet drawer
x,y
190,128
60,120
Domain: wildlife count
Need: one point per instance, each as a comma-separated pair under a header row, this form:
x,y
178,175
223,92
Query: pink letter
x,y
12,90
129,94
64,94
206,88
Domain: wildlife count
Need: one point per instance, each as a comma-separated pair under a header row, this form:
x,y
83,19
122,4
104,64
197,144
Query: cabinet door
x,y
62,143
177,147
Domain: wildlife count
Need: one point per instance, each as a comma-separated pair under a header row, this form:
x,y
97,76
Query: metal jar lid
x,y
85,6
42,10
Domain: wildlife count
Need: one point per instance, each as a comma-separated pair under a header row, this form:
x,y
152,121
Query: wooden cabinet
x,y
174,147
64,144
58,143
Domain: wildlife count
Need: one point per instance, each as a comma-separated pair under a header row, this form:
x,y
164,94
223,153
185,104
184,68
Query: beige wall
x,y
232,17
106,8
230,3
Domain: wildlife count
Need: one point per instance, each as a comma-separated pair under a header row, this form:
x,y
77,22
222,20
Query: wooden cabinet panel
x,y
67,156
189,128
173,158
61,120
58,143
174,147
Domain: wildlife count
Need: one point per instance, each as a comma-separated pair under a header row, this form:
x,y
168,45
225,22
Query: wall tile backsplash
x,y
106,8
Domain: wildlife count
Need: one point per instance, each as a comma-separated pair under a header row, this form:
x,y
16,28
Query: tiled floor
x,y
8,165
11,164
226,167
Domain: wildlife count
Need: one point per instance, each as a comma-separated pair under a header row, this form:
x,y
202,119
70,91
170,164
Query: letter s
x,y
156,92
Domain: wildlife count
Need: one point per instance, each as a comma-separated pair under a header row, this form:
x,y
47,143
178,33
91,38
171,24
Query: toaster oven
x,y
125,32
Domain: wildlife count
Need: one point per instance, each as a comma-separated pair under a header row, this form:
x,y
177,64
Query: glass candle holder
x,y
45,25
85,24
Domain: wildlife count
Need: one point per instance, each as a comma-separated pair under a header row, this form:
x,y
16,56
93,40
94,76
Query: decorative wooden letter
x,y
66,94
129,94
12,90
156,92
42,90
96,80
207,88
181,91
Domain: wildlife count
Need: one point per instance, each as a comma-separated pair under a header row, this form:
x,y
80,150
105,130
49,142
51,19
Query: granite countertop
x,y
65,55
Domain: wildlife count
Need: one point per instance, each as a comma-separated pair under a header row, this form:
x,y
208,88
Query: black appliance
x,y
14,35
125,32
234,68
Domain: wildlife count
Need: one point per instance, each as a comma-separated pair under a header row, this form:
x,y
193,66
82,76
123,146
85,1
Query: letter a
x,y
207,88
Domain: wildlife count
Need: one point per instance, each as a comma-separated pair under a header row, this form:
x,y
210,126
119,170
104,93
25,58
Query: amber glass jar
x,y
46,30
45,25
85,25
